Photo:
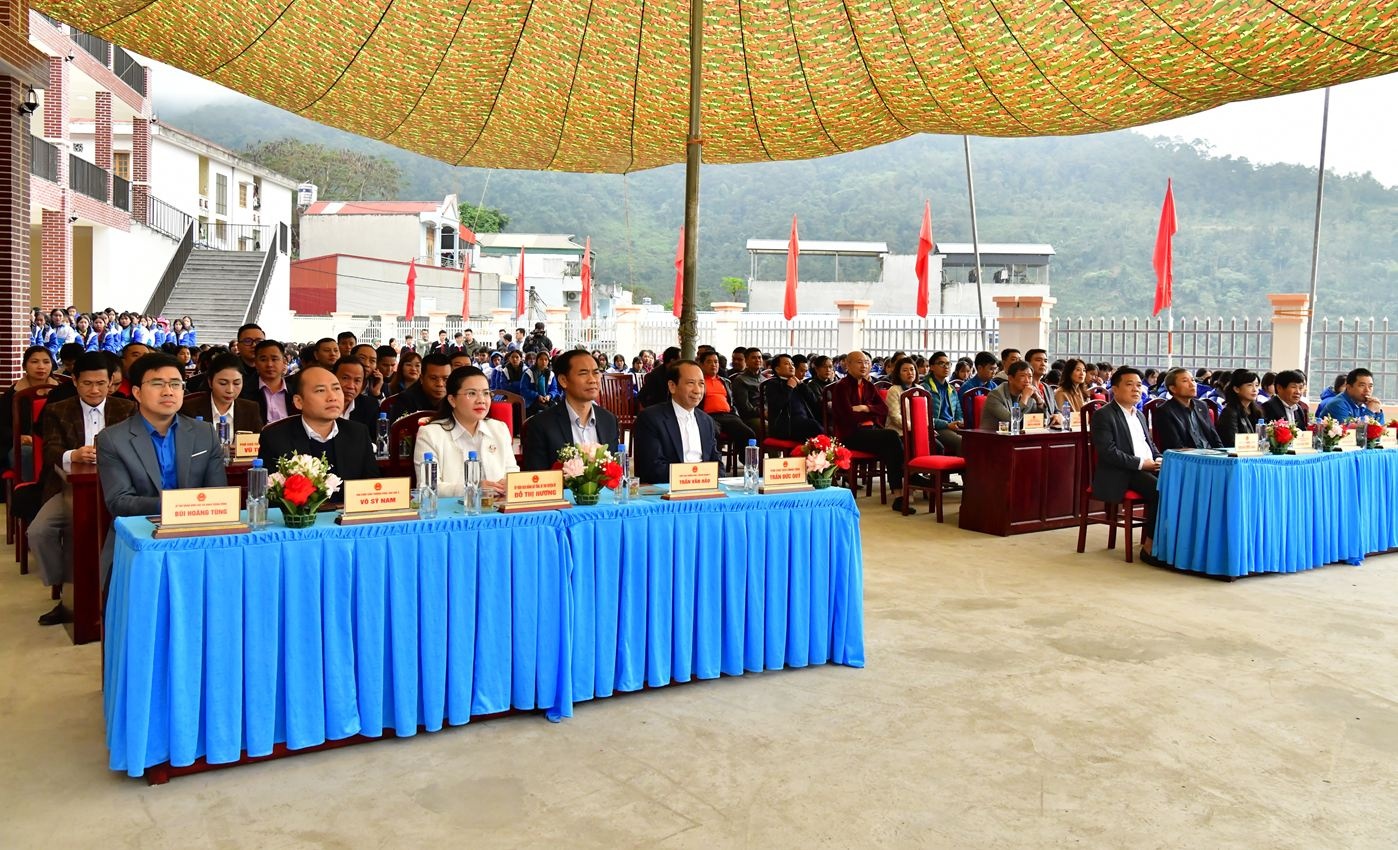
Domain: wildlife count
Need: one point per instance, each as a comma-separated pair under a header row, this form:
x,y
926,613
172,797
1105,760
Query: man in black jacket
x,y
350,372
1126,457
578,420
1183,422
1285,402
675,431
319,430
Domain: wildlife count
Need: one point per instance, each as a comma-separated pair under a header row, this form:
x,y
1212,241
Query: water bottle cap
x,y
383,415
470,456
427,457
752,442
257,463
198,419
621,448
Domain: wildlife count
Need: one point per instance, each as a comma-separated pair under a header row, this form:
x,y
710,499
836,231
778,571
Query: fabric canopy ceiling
x,y
601,85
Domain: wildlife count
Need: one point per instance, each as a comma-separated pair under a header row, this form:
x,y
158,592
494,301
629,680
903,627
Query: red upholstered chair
x,y
1149,410
920,455
862,465
972,401
618,397
503,411
402,434
1113,514
517,411
1215,408
386,406
771,446
24,415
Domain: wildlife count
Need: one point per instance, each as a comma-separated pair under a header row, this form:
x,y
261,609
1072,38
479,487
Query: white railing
x,y
958,336
802,335
1339,345
1212,343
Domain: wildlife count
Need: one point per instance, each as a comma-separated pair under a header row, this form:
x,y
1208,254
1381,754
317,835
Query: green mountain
x,y
1244,230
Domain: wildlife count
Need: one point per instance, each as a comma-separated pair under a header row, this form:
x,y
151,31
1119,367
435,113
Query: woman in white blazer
x,y
464,427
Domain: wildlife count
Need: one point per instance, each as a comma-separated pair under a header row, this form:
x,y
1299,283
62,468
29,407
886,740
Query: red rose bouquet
x,y
1279,436
587,469
1373,435
823,456
301,484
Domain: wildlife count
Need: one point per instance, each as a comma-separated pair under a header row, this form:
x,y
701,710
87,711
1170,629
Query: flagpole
x,y
1315,239
689,317
975,242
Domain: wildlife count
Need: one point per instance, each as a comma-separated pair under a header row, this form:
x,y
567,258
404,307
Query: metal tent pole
x,y
975,243
1315,239
689,318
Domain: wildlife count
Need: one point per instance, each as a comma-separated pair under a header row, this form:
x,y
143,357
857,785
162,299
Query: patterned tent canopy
x,y
601,85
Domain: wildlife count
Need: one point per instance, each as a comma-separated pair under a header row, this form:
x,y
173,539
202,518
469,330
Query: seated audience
x,y
463,427
359,407
406,372
1240,408
823,372
579,419
37,363
654,388
543,390
1184,421
984,376
225,381
70,434
858,414
1289,387
1336,387
319,430
794,407
1126,457
902,376
1008,357
1357,400
718,400
1018,386
428,392
745,385
675,432
271,390
1073,387
947,420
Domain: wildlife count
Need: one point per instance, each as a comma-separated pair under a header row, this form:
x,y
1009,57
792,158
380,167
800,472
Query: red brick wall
x,y
140,165
14,229
313,285
56,100
55,282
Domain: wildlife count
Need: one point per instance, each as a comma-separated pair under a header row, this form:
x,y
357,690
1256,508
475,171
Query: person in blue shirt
x,y
141,332
946,404
62,333
1334,389
513,377
1356,401
187,334
106,338
543,383
985,373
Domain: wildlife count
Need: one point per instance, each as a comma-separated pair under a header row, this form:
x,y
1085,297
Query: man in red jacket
x,y
858,414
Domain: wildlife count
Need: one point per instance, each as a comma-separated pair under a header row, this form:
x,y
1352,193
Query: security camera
x,y
69,58
30,104
72,218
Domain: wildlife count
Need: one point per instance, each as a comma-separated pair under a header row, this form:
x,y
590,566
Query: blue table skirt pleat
x,y
1238,516
218,647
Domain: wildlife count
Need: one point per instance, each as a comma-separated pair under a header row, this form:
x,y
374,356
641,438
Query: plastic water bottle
x,y
1261,432
1361,436
471,500
381,447
225,437
623,490
1016,418
257,495
1067,412
752,467
427,487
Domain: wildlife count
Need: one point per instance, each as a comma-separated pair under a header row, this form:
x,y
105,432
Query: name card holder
x,y
1034,422
534,491
784,475
1298,449
1245,445
694,481
202,512
1349,442
246,445
377,500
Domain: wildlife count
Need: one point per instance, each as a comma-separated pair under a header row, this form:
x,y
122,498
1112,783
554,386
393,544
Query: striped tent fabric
x,y
601,85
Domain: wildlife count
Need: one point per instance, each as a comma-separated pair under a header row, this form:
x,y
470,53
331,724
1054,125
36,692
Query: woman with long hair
x,y
902,374
1073,387
1240,408
463,426
38,372
188,336
409,370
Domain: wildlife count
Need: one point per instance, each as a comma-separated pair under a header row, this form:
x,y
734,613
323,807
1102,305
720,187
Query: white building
x,y
552,272
428,232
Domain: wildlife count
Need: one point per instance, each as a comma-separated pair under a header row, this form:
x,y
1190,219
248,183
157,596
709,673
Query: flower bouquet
x,y
1279,436
1331,431
588,468
1373,435
823,456
301,484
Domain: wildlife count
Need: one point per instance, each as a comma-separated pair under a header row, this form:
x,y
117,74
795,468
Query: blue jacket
x,y
188,338
1340,406
946,406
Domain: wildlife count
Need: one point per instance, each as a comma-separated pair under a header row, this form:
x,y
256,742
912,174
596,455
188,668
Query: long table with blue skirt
x,y
230,647
1227,516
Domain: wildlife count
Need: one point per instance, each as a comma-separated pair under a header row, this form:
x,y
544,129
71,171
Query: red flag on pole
x,y
412,287
1164,252
793,251
679,275
585,301
924,255
519,287
466,289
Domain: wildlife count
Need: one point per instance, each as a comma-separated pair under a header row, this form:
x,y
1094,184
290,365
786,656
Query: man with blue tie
x,y
675,432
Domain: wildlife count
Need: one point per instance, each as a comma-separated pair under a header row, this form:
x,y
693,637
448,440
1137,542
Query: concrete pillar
x,y
1025,321
628,329
853,315
727,316
388,328
436,321
1291,313
342,321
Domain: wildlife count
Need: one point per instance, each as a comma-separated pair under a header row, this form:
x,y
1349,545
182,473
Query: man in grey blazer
x,y
155,450
1018,386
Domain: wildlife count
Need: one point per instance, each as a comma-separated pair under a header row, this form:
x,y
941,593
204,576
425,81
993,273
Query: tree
x,y
482,219
339,174
736,287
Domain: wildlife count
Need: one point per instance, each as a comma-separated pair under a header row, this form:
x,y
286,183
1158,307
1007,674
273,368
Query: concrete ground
x,y
1017,695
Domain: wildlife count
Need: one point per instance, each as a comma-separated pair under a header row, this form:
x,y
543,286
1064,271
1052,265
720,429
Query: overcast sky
x,y
1363,124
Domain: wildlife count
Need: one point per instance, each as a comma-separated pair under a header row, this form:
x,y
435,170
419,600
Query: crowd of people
x,y
329,396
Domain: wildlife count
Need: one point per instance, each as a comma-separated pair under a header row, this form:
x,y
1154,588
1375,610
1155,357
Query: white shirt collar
x,y
680,412
218,413
316,438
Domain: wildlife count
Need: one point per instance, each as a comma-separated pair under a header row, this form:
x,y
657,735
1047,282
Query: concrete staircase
x,y
215,288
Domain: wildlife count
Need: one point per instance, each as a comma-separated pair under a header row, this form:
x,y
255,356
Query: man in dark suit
x,y
350,372
1126,457
319,430
430,390
70,431
1183,422
578,420
655,388
156,449
675,432
1285,402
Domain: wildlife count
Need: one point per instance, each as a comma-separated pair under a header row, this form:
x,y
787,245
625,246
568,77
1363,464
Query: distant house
x,y
429,232
552,271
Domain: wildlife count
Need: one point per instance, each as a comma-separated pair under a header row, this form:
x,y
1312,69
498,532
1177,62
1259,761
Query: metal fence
x,y
801,335
958,336
121,193
43,159
86,178
1212,343
1340,345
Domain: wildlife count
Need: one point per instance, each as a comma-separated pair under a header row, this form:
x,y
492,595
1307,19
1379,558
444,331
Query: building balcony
x,y
43,159
86,178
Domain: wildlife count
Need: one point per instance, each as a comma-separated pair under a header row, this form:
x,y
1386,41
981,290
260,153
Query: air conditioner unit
x,y
571,296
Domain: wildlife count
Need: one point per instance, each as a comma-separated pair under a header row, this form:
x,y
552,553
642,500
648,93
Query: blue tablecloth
x,y
1236,516
216,646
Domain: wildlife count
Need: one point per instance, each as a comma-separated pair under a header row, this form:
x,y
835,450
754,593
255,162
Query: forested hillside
x,y
1244,230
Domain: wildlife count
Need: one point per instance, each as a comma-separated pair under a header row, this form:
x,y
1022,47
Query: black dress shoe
x,y
59,615
898,506
1152,560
